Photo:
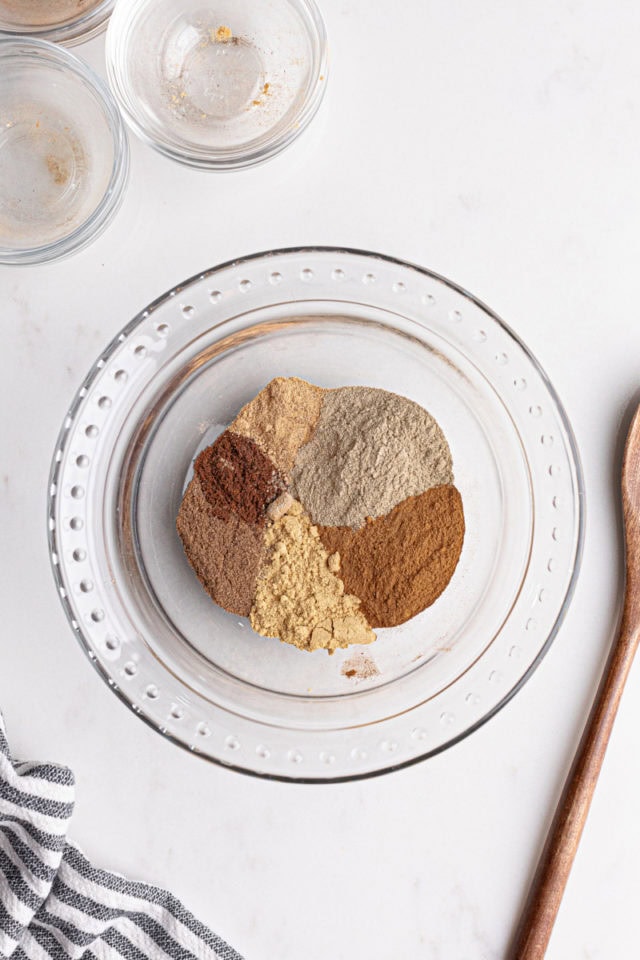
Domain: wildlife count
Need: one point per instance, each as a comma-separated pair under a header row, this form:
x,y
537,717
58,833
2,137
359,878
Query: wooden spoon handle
x,y
555,863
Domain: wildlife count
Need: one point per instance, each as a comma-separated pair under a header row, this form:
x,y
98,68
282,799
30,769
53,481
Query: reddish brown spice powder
x,y
400,563
238,478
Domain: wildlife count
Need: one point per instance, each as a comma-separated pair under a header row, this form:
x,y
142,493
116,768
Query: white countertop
x,y
497,144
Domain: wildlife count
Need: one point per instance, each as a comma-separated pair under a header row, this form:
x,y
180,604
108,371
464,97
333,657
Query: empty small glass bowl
x,y
60,21
221,87
63,152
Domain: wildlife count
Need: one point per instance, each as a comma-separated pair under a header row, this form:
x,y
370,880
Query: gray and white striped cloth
x,y
54,905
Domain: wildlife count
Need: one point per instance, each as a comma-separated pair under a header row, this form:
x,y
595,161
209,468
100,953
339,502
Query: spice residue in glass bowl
x,y
220,88
43,13
63,21
63,152
221,75
45,180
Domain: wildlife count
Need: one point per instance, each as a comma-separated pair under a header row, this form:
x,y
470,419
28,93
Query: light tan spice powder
x,y
281,418
298,598
278,507
370,450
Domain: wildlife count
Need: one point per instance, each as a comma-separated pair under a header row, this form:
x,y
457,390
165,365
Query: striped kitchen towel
x,y
54,905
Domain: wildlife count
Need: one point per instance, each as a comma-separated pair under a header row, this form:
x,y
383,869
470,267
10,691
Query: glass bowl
x,y
220,88
63,153
170,383
60,21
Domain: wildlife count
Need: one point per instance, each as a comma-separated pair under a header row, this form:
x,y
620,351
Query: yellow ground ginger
x,y
299,598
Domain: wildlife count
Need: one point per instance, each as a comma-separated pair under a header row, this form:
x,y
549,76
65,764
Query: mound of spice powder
x,y
400,563
226,555
323,513
370,450
299,597
281,418
222,516
237,478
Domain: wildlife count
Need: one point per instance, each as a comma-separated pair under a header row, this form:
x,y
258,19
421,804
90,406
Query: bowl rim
x,y
94,224
580,506
70,33
252,152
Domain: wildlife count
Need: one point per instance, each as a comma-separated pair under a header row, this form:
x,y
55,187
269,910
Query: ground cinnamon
x,y
400,563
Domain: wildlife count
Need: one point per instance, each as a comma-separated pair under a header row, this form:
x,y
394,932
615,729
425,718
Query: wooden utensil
x,y
555,863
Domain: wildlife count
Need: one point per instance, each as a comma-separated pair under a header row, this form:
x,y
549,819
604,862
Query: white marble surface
x,y
497,144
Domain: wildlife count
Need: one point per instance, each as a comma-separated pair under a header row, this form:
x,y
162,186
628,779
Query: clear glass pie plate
x,y
175,377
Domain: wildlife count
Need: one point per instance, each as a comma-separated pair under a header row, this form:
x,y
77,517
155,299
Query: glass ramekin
x,y
217,89
63,153
68,22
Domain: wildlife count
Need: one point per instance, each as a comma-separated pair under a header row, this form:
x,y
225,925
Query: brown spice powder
x,y
400,563
360,666
237,477
58,169
226,555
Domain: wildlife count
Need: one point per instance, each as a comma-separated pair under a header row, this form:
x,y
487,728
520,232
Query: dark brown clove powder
x,y
237,477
